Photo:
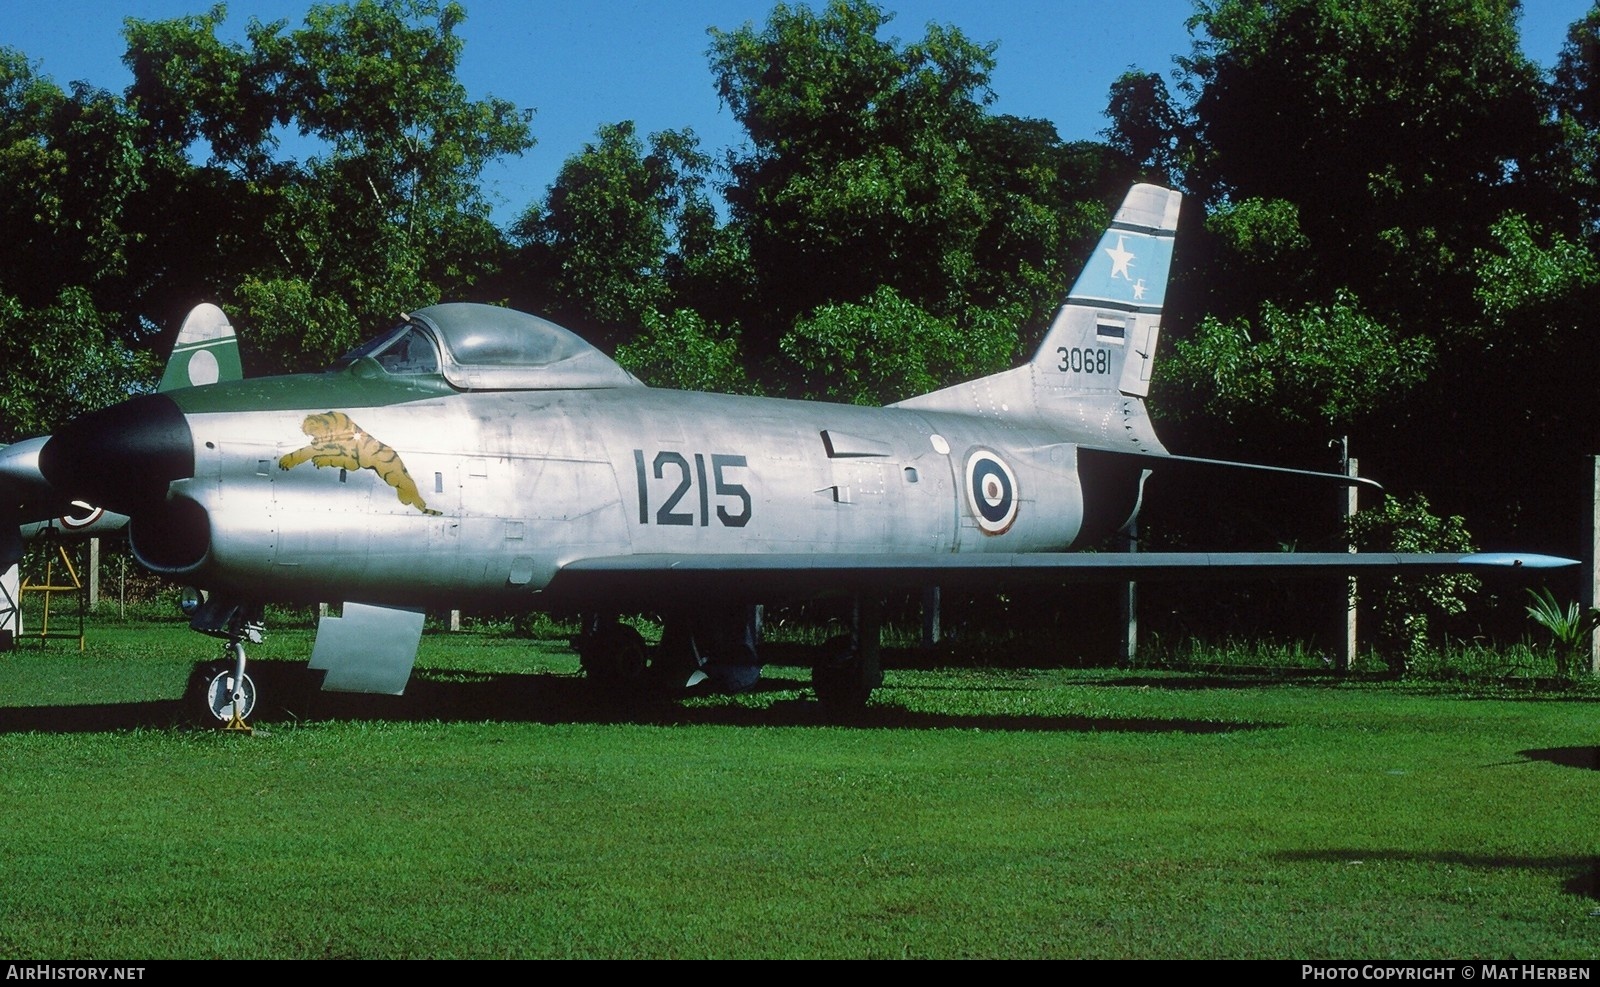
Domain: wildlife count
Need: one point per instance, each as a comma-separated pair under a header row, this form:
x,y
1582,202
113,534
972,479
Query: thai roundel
x,y
991,492
81,516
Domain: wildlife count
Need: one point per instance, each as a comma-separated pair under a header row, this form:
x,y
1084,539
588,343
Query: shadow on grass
x,y
1568,757
291,693
93,717
1585,883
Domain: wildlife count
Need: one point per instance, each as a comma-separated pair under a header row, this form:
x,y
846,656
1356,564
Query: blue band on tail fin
x,y
1128,271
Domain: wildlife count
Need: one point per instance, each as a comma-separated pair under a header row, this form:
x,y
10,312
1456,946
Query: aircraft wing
x,y
645,579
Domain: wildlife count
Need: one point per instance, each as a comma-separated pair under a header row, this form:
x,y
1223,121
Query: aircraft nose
x,y
22,484
121,457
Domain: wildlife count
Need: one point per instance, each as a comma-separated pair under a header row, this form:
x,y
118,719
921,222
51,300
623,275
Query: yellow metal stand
x,y
49,589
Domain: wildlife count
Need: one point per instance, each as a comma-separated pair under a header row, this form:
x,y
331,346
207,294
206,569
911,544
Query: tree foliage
x,y
874,163
886,349
71,168
681,351
1574,164
623,228
61,360
1394,129
382,210
1320,365
1410,610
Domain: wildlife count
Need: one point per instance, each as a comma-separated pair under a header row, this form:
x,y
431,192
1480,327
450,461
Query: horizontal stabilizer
x,y
758,578
1161,460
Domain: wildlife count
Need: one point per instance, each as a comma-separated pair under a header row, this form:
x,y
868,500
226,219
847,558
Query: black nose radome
x,y
121,458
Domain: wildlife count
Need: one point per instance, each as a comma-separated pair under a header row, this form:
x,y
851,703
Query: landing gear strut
x,y
850,667
716,647
614,656
229,693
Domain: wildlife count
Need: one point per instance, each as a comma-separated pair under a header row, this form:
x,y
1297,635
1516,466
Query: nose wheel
x,y
228,692
231,698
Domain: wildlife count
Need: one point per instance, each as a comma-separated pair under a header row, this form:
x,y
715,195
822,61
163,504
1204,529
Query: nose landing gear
x,y
227,689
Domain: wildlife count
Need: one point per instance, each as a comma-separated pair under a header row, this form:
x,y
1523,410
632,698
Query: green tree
x,y
682,352
1320,365
61,360
384,214
623,225
854,177
886,349
1575,89
1148,127
70,166
874,163
71,170
1396,128
1409,610
1357,162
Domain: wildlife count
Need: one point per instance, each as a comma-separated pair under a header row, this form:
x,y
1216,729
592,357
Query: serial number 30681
x,y
1084,360
674,468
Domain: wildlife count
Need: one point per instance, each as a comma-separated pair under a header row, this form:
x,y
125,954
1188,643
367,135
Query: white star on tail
x,y
1120,259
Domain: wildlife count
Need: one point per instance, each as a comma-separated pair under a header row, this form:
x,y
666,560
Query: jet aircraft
x,y
204,352
479,456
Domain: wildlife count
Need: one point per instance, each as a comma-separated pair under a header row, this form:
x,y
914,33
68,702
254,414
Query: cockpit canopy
x,y
488,348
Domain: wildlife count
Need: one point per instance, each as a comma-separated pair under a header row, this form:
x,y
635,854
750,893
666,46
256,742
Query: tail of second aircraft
x,y
206,351
1093,368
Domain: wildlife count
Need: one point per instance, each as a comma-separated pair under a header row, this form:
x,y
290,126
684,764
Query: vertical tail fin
x,y
205,352
1104,338
1093,368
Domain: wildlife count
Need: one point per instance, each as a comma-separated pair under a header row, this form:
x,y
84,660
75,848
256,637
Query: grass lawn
x,y
499,810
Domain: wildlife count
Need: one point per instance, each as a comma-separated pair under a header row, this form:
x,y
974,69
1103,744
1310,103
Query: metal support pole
x,y
1352,504
1592,584
10,607
94,574
1128,600
930,616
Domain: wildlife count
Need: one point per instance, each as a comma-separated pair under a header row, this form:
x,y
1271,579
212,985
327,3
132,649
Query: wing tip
x,y
1515,560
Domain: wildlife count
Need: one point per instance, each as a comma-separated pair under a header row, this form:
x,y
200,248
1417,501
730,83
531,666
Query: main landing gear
x,y
850,665
716,650
614,655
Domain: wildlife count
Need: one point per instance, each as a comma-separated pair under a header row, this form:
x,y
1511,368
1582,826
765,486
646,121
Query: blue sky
x,y
582,64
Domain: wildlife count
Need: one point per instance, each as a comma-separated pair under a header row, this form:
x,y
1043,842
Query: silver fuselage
x,y
525,482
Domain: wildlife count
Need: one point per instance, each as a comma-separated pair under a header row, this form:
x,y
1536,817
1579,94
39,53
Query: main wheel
x,y
843,680
615,658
